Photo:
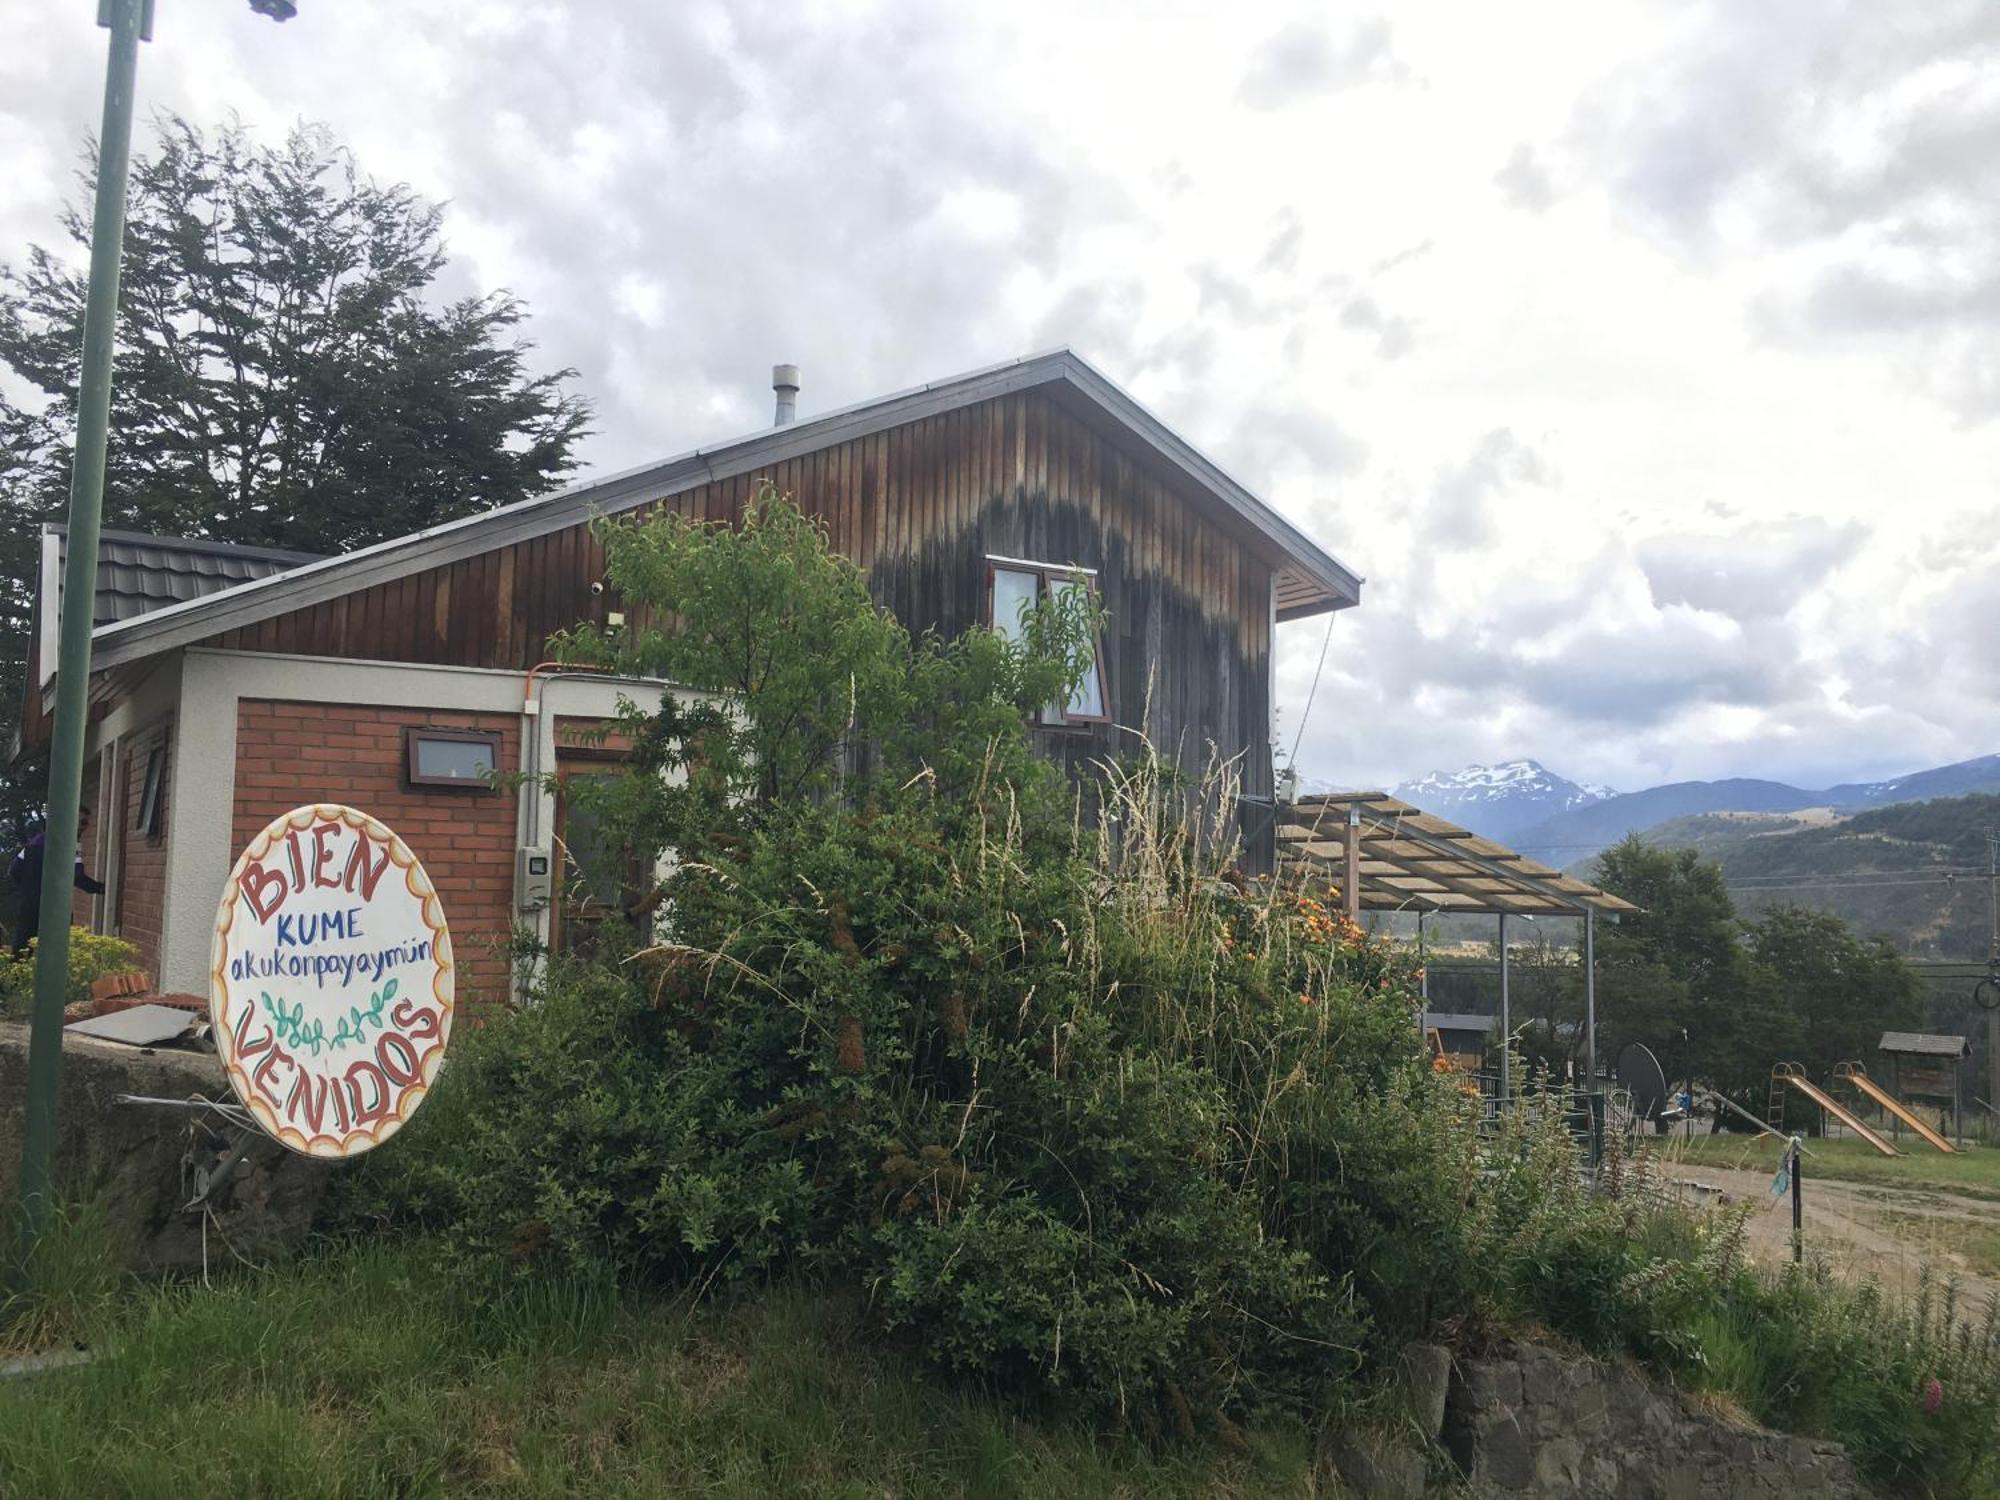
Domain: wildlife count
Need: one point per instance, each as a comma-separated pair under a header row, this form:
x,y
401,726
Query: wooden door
x,y
598,882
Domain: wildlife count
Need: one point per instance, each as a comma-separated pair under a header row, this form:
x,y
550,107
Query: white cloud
x,y
1637,353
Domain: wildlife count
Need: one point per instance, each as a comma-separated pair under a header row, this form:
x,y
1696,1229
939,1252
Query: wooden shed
x,y
1927,1068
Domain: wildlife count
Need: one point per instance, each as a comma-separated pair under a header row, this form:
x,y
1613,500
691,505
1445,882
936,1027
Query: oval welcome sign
x,y
330,985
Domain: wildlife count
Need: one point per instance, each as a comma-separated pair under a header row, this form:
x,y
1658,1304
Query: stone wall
x,y
1527,1420
145,1163
1524,1420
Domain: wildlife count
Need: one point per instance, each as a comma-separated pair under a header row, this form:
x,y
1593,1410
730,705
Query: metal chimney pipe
x,y
785,381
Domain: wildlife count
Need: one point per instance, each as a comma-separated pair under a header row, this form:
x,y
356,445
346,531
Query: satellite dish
x,y
1643,1078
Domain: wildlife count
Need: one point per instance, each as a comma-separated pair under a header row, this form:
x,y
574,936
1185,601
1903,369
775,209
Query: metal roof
x,y
140,575
1924,1044
1411,860
1311,580
137,574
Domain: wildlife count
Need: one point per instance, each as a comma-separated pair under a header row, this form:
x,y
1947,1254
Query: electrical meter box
x,y
534,878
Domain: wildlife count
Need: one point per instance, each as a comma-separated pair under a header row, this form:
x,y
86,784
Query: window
x,y
150,799
467,759
1014,588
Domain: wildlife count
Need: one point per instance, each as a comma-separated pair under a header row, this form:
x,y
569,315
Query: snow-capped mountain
x,y
1573,834
1562,822
1499,800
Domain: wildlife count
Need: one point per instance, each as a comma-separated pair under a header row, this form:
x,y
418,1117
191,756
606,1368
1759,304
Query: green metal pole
x,y
127,20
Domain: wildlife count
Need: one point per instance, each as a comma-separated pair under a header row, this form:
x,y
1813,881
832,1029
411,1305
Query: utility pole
x,y
1993,898
1992,980
130,22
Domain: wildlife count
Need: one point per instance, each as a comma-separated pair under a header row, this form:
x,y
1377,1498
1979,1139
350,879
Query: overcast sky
x,y
1645,358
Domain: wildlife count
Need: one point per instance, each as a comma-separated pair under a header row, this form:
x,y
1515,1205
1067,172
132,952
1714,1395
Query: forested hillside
x,y
1913,872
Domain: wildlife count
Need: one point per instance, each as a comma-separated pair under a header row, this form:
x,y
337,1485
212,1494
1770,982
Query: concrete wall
x,y
140,1163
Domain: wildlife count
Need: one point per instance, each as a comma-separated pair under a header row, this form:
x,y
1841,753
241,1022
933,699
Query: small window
x,y
1014,594
467,759
151,792
1014,589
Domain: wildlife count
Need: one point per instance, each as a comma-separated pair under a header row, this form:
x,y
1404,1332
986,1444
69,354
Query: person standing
x,y
26,873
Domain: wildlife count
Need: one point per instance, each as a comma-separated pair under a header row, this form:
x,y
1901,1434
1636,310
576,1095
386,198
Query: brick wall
x,y
142,860
289,754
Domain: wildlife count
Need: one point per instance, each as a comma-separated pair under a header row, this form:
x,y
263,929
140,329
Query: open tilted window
x,y
150,821
1013,588
466,759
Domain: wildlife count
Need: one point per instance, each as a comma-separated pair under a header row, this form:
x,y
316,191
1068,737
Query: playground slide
x,y
1856,1075
1832,1106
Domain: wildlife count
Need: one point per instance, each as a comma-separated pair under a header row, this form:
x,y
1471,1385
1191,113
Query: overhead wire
x,y
1824,885
1312,692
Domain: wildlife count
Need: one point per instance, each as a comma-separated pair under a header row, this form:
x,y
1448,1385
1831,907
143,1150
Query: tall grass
x,y
63,1296
368,1373
1909,1385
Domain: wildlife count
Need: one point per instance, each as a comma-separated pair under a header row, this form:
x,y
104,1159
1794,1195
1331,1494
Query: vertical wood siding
x,y
919,509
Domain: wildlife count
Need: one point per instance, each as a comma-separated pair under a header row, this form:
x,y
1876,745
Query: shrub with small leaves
x,y
92,956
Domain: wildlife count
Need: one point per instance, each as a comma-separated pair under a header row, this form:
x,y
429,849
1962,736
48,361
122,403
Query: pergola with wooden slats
x,y
1385,855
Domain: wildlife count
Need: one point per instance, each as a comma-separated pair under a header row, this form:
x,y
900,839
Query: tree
x,y
918,1028
284,375
1843,989
1677,977
1686,919
817,692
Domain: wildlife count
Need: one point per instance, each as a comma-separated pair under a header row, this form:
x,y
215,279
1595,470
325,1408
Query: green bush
x,y
1038,1176
1081,1112
1910,1387
92,956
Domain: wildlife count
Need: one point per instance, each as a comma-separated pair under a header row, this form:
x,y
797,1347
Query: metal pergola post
x,y
1423,964
1350,877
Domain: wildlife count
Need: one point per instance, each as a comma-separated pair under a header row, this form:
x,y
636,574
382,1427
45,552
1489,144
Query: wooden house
x,y
233,683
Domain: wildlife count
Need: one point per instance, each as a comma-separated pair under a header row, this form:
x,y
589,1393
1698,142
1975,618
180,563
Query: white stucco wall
x,y
201,810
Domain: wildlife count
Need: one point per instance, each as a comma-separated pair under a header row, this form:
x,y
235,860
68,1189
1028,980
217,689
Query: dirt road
x,y
1863,1230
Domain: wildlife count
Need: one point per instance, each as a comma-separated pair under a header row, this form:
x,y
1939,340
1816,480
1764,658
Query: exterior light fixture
x,y
277,10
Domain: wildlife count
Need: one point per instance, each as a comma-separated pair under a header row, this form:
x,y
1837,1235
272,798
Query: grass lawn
x,y
363,1373
1976,1240
1973,1172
